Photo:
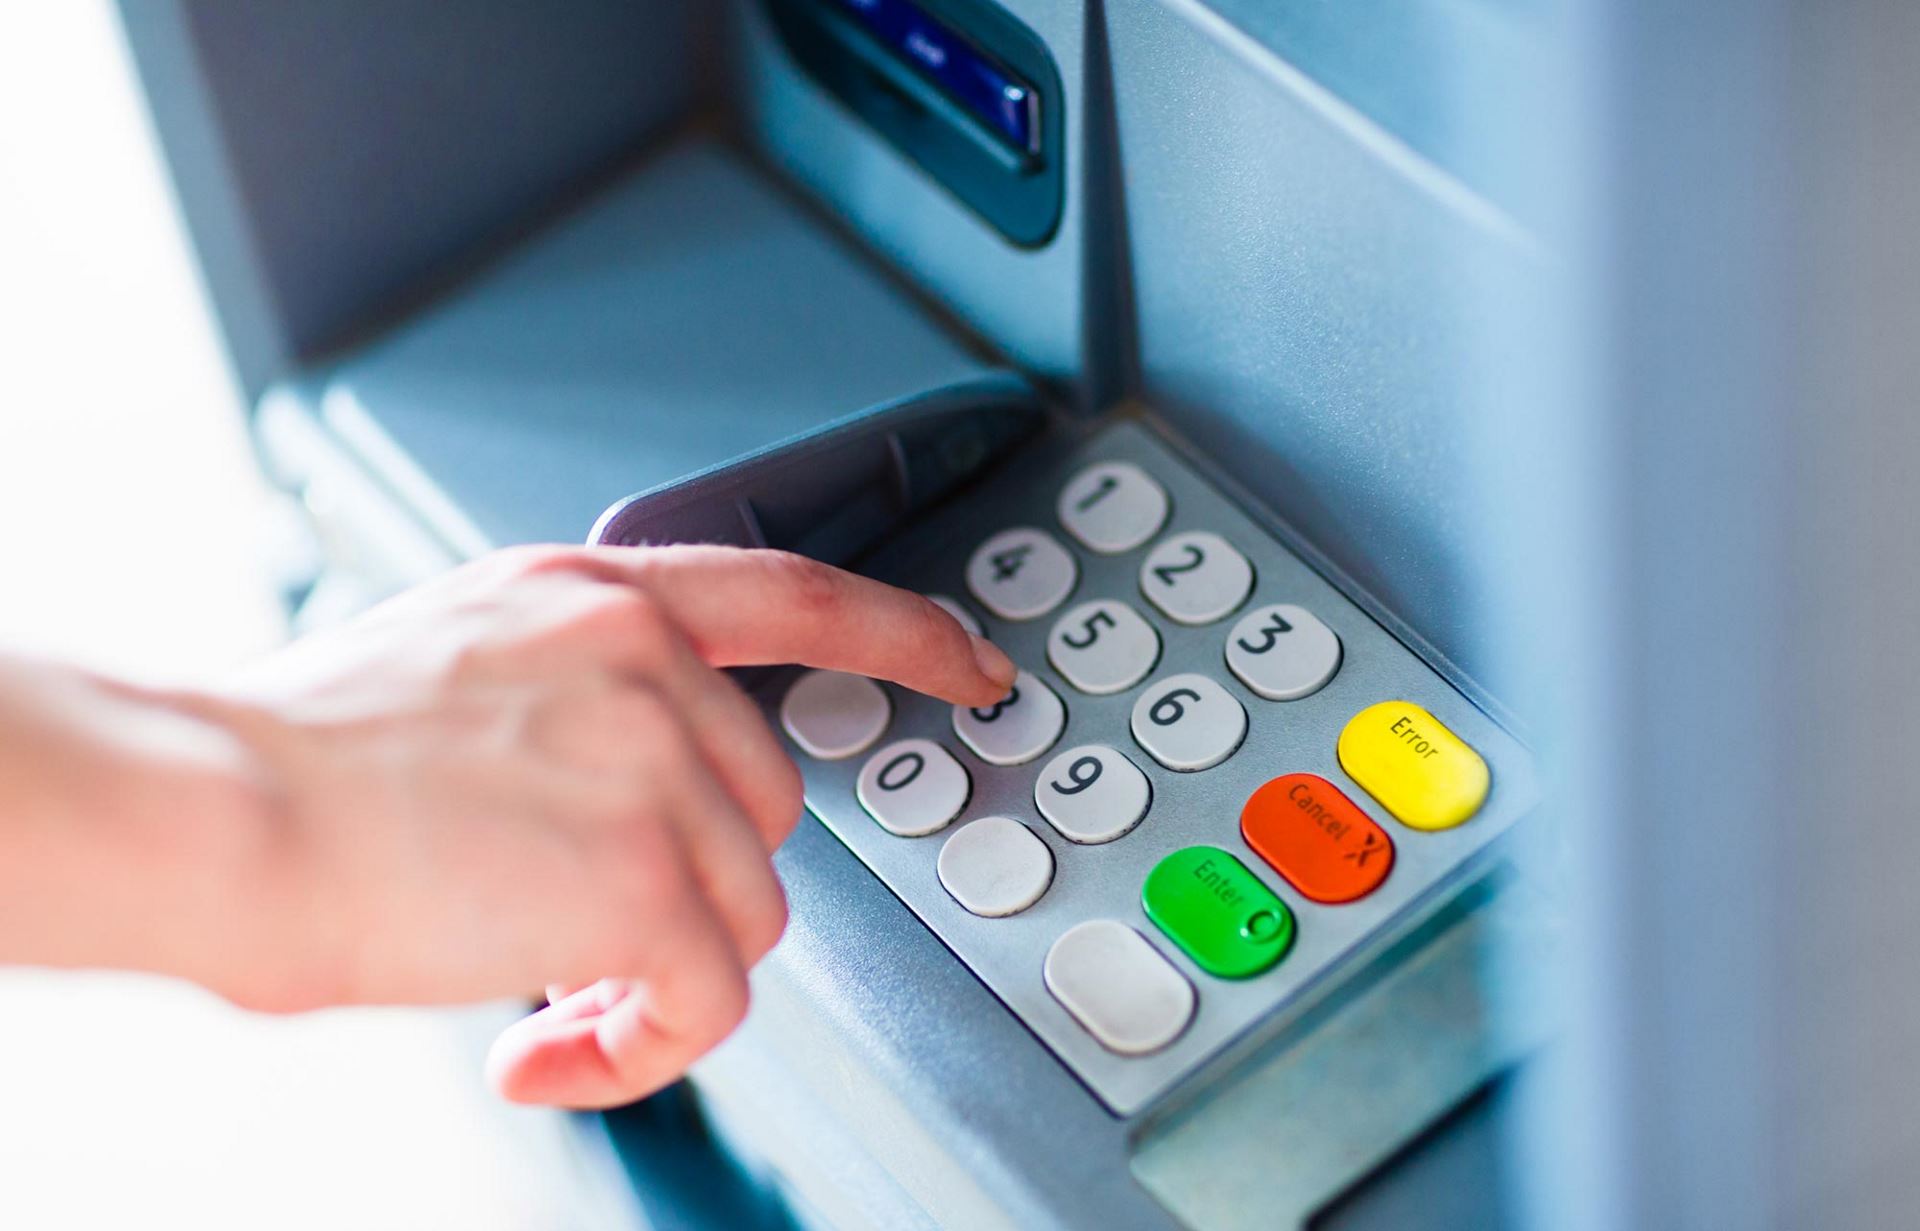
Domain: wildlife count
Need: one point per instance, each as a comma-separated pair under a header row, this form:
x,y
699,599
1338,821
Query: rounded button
x,y
1021,573
1218,912
953,608
1196,577
1112,507
1408,760
913,787
1188,722
1103,647
1015,730
1092,794
995,866
1283,652
1317,838
833,715
1118,987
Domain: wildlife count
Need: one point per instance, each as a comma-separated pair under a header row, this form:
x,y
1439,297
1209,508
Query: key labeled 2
x,y
1103,647
1196,577
1189,722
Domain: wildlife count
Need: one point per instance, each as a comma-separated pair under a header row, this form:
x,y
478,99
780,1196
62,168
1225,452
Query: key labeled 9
x,y
1092,794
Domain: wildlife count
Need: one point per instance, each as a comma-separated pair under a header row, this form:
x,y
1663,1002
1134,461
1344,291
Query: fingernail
x,y
993,661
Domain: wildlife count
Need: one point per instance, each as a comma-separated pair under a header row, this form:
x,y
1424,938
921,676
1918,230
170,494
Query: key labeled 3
x,y
1092,794
1283,652
1196,577
1016,729
1103,647
1188,722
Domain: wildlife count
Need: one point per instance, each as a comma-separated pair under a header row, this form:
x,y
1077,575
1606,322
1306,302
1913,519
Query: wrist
x,y
254,933
139,830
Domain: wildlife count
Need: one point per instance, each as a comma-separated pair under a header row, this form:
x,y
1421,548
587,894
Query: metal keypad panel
x,y
1181,671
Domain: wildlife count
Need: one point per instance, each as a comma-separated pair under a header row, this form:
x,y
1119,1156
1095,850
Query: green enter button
x,y
1207,902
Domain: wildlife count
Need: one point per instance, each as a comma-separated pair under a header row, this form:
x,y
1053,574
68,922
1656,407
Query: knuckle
x,y
936,632
813,588
636,619
649,871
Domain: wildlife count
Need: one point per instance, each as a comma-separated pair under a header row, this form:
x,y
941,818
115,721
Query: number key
x,y
1092,794
913,787
1015,730
1021,573
1112,507
1283,652
1188,722
1196,577
1103,647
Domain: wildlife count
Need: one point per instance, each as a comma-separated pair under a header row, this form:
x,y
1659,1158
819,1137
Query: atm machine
x,y
1212,355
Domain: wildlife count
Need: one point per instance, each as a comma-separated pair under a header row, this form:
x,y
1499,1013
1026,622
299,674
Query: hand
x,y
531,772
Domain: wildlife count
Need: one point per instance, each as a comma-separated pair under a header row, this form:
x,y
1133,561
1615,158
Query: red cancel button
x,y
1317,838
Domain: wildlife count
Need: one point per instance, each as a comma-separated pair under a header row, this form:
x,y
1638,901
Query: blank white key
x,y
834,715
995,866
1016,730
1092,794
953,608
1021,573
1188,722
1283,652
913,787
1196,577
1103,647
1119,987
1112,507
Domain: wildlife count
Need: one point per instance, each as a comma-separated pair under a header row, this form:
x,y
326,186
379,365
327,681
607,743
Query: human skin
x,y
528,774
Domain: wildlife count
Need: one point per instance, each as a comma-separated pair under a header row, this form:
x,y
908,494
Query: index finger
x,y
749,607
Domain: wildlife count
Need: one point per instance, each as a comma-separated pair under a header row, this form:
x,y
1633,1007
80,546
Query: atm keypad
x,y
1215,777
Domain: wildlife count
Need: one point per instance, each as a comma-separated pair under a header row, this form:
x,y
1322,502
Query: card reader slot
x,y
968,93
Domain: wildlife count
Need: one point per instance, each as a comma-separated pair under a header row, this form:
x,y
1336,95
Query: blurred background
x,y
136,535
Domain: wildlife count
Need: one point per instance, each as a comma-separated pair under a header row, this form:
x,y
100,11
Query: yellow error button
x,y
1424,774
